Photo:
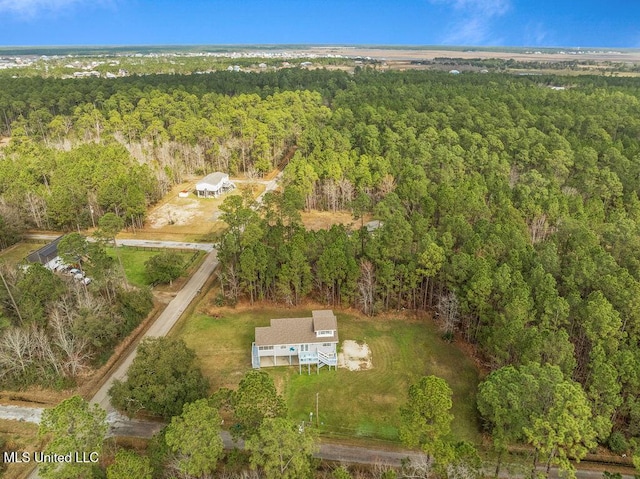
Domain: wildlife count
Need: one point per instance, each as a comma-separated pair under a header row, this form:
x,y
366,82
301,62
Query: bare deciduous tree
x,y
16,352
367,287
44,351
330,191
538,228
230,282
421,468
448,306
346,192
74,350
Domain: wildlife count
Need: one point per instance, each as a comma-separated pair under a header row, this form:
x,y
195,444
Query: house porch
x,y
300,359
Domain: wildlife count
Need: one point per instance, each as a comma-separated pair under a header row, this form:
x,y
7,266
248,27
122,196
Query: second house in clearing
x,y
298,341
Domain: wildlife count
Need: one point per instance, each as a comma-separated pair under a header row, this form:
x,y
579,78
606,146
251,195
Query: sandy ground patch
x,y
355,356
186,219
173,214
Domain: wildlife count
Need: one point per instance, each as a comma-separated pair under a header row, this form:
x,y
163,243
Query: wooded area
x,y
508,208
54,328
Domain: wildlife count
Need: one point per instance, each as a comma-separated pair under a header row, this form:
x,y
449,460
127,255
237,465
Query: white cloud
x,y
472,20
33,8
535,34
487,7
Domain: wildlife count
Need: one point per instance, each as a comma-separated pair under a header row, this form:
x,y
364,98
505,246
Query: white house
x,y
213,185
301,341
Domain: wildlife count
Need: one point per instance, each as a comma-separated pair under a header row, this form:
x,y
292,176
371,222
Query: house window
x,y
283,347
265,348
326,345
324,332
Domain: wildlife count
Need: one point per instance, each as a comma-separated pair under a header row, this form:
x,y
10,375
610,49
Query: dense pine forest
x,y
508,208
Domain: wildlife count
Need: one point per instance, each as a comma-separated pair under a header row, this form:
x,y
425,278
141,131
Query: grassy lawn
x,y
18,436
360,403
16,253
133,260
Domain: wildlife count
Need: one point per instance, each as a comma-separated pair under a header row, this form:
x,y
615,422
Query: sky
x,y
542,23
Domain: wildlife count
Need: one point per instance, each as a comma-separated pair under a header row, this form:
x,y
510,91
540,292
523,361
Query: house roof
x,y
373,225
46,253
295,331
212,179
324,319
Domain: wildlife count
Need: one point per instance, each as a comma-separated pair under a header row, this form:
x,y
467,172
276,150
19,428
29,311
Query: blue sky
x,y
570,23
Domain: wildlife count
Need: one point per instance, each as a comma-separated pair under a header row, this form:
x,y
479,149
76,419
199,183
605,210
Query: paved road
x,y
20,413
164,244
270,186
122,426
208,247
163,324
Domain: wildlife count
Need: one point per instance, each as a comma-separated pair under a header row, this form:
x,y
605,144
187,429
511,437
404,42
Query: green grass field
x,y
133,260
351,404
18,252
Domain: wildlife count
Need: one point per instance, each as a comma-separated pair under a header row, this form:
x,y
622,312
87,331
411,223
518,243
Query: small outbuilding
x,y
213,185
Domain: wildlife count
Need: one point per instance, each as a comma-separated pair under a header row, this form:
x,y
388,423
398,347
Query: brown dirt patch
x,y
35,397
323,220
173,214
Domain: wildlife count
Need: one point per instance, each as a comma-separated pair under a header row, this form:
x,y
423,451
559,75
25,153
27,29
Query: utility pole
x,y
317,417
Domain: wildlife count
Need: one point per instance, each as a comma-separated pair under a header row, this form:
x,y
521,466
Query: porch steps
x,y
325,359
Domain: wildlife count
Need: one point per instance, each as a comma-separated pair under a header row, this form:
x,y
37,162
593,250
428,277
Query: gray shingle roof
x,y
46,253
324,319
297,330
212,179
